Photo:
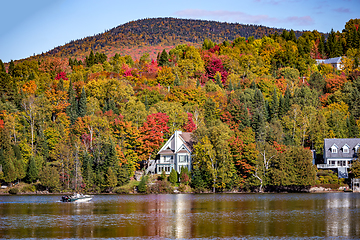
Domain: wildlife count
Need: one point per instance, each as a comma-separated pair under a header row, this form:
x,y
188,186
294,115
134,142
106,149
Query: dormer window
x,y
357,148
334,148
345,148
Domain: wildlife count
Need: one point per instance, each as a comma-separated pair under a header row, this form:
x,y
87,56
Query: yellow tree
x,y
165,76
58,101
29,105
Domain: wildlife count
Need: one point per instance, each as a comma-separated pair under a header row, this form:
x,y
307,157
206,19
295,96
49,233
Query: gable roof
x,y
335,60
188,141
330,142
173,142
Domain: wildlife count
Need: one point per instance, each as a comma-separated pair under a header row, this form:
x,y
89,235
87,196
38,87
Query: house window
x,y
342,163
333,150
182,158
345,150
168,158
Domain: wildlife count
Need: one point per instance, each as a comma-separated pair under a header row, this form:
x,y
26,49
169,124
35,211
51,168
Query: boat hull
x,y
83,198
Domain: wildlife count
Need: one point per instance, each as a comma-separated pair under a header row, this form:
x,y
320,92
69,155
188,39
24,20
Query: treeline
x,y
255,106
163,32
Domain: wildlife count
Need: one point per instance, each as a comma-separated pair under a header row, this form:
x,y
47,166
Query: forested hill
x,y
159,32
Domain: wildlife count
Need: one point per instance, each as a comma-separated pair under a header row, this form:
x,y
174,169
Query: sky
x,y
31,27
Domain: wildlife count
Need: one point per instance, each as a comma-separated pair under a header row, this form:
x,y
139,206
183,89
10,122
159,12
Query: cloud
x,y
342,10
277,2
241,17
302,21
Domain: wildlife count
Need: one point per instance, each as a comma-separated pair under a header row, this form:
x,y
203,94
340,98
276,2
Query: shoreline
x,y
233,192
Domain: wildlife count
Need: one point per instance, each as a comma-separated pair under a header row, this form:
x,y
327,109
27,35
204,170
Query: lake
x,y
186,216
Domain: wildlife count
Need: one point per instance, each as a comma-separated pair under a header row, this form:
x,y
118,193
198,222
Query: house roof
x,y
336,60
340,142
176,141
189,142
167,151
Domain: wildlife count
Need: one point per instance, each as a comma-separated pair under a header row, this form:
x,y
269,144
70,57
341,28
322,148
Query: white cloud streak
x,y
241,17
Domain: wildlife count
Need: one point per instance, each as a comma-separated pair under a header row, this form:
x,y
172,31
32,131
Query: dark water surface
x,y
266,216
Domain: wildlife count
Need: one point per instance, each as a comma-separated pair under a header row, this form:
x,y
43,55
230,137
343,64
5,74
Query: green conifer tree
x,y
177,80
2,67
111,179
71,62
218,79
82,107
274,109
287,100
71,110
281,107
19,163
211,113
123,176
164,59
146,103
32,171
142,185
87,170
267,111
246,118
259,125
253,85
163,175
173,177
60,85
11,68
90,61
230,87
7,158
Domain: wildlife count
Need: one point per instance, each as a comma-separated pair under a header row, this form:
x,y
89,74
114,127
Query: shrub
x,y
184,176
160,187
14,191
122,190
184,188
28,188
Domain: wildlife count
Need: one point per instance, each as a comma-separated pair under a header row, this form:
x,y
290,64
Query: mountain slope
x,y
150,35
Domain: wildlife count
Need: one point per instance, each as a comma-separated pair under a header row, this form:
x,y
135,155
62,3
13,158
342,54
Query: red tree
x,y
190,125
61,75
216,65
152,133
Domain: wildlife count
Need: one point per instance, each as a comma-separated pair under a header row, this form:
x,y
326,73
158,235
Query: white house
x,y
176,153
335,62
339,154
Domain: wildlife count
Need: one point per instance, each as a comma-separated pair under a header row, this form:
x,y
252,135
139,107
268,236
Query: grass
x,y
127,188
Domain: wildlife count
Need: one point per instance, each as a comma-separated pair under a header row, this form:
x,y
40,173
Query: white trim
x,y
346,148
356,147
166,145
334,148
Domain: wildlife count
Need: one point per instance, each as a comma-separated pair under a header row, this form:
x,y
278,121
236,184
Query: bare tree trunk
x,y
261,181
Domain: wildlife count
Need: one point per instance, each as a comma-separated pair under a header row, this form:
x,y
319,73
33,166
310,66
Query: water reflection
x,y
339,214
183,216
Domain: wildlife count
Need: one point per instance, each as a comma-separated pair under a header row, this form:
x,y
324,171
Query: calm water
x,y
267,216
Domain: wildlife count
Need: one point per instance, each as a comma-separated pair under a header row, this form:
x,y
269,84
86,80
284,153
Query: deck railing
x,y
331,166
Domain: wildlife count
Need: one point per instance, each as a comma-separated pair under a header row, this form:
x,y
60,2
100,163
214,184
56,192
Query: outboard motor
x,y
65,198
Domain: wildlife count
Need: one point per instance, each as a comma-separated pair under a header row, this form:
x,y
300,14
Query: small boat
x,y
77,197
